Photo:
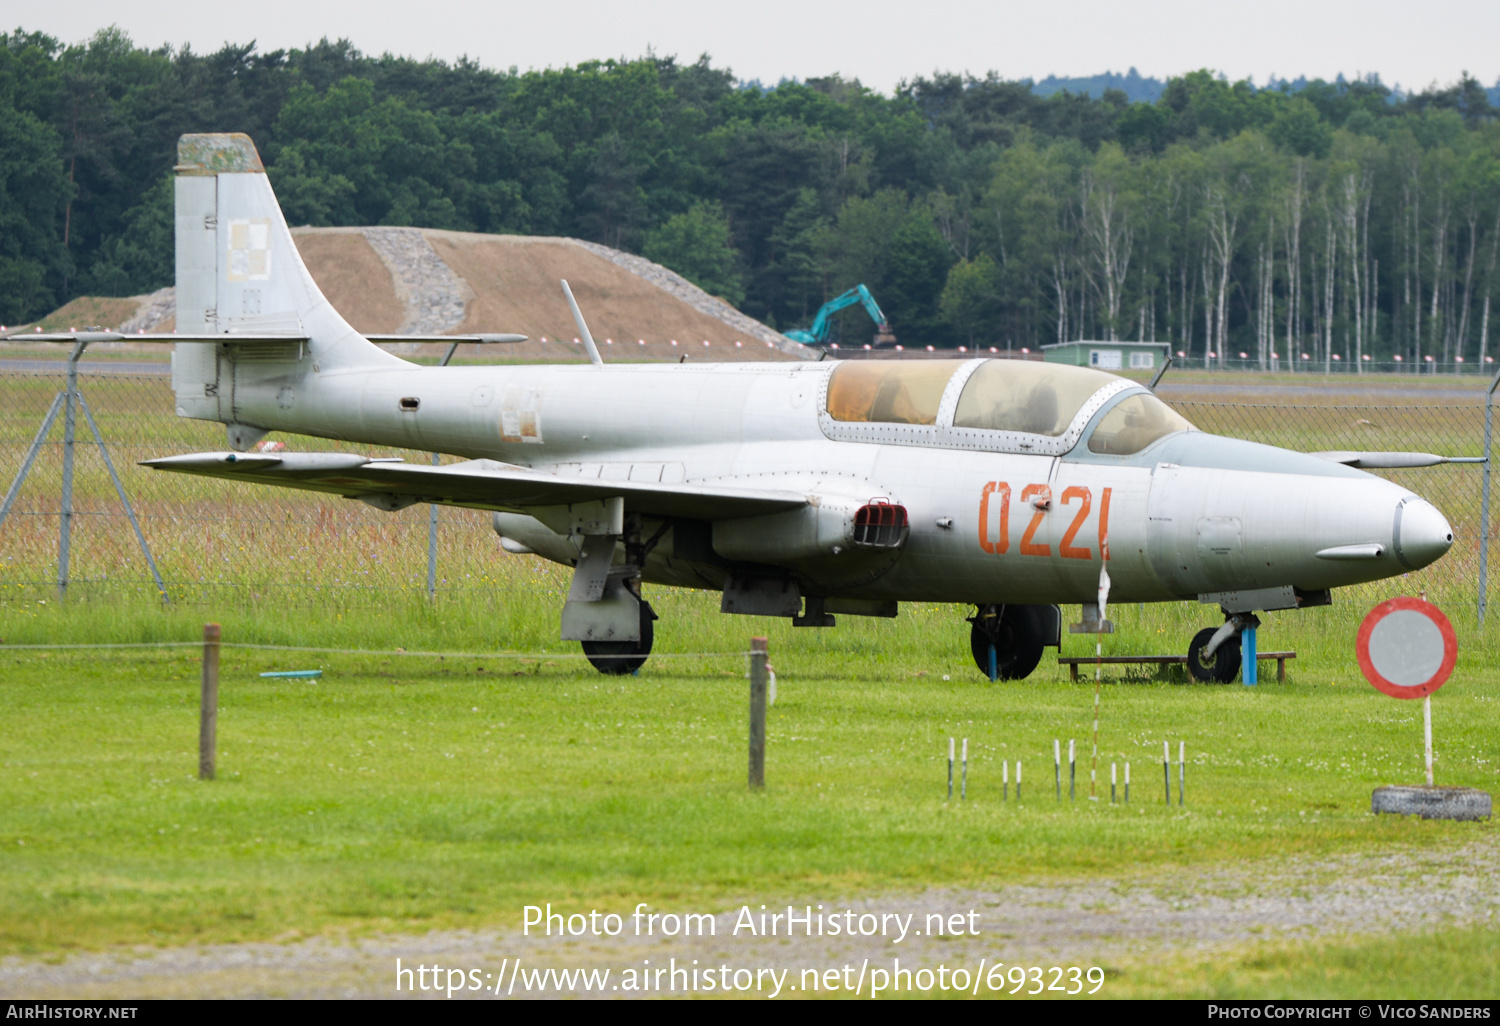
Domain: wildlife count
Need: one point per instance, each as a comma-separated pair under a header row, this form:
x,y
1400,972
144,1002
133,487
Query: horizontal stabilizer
x,y
478,484
239,339
483,337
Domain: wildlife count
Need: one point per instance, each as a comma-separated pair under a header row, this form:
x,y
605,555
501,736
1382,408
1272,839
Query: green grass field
x,y
403,793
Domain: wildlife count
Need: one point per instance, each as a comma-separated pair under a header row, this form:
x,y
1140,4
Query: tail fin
x,y
239,272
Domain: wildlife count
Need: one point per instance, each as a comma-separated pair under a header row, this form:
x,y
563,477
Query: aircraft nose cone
x,y
1421,533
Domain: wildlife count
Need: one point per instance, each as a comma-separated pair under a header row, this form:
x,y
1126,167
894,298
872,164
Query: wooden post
x,y
208,720
757,713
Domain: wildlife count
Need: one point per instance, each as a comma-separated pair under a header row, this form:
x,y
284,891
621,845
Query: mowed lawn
x,y
406,793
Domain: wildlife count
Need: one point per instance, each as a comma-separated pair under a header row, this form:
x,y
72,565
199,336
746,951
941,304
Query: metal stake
x,y
1057,766
1427,733
950,769
963,787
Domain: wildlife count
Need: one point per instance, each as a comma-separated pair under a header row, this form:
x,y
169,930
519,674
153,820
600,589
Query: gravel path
x,y
436,299
1090,922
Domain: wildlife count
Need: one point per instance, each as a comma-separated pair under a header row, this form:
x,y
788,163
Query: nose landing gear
x,y
1214,655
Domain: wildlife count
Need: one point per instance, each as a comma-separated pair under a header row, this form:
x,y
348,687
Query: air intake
x,y
880,525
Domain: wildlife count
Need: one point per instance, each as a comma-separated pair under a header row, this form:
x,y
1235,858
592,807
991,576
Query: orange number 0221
x,y
1028,548
1001,544
1066,548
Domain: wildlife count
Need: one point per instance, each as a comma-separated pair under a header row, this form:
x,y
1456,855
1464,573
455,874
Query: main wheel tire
x,y
618,658
1221,669
1016,638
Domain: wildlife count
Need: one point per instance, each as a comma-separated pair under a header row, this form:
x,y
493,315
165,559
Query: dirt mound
x,y
88,312
404,280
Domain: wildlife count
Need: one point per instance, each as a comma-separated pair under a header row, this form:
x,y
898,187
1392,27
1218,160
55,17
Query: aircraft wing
x,y
480,484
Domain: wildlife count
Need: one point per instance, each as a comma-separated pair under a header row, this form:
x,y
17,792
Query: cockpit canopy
x,y
1000,405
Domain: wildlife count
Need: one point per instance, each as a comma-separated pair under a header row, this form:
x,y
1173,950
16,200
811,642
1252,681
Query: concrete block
x,y
1432,802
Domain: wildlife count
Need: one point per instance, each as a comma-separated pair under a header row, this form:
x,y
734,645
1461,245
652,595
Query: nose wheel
x,y
1219,667
1214,656
1007,641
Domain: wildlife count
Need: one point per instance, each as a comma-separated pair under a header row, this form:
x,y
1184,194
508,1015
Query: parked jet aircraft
x,y
798,490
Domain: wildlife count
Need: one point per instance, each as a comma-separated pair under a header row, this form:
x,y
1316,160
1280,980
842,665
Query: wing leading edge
x,y
479,484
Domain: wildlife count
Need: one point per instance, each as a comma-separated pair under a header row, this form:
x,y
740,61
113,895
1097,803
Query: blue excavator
x,y
817,335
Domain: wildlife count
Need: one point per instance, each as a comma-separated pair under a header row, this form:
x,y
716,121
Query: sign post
x,y
1407,649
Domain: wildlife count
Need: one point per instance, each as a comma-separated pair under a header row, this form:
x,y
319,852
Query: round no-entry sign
x,y
1406,648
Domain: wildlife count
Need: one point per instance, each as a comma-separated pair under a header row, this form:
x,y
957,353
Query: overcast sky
x,y
880,42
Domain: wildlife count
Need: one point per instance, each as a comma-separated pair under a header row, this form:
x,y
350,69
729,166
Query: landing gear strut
x,y
1007,641
1214,655
617,610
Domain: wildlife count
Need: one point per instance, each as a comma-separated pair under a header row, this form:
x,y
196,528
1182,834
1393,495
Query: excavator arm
x,y
818,333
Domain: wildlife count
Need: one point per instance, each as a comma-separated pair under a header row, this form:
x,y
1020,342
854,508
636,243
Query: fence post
x,y
432,522
757,713
70,423
208,712
432,510
1484,501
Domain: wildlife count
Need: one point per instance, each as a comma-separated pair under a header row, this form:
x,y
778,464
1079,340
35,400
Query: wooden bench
x,y
1074,662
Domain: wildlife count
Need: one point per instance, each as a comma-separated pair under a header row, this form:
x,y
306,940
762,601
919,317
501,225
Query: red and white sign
x,y
1406,648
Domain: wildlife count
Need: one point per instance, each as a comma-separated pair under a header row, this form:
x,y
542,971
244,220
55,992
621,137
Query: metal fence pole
x,y
109,465
432,510
1484,501
36,445
70,421
432,518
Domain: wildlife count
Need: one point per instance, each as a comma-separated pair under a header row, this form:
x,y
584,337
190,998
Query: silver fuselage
x,y
1191,514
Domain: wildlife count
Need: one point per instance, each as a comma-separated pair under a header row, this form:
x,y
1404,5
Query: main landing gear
x,y
618,658
1007,641
1214,655
605,610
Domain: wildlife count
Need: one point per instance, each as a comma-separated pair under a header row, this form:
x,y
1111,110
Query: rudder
x,y
239,274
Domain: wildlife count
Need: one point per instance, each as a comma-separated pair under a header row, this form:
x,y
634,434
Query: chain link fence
x,y
209,535
1454,488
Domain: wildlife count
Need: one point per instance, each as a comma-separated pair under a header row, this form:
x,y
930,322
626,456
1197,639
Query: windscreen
x,y
1022,395
1134,423
889,392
